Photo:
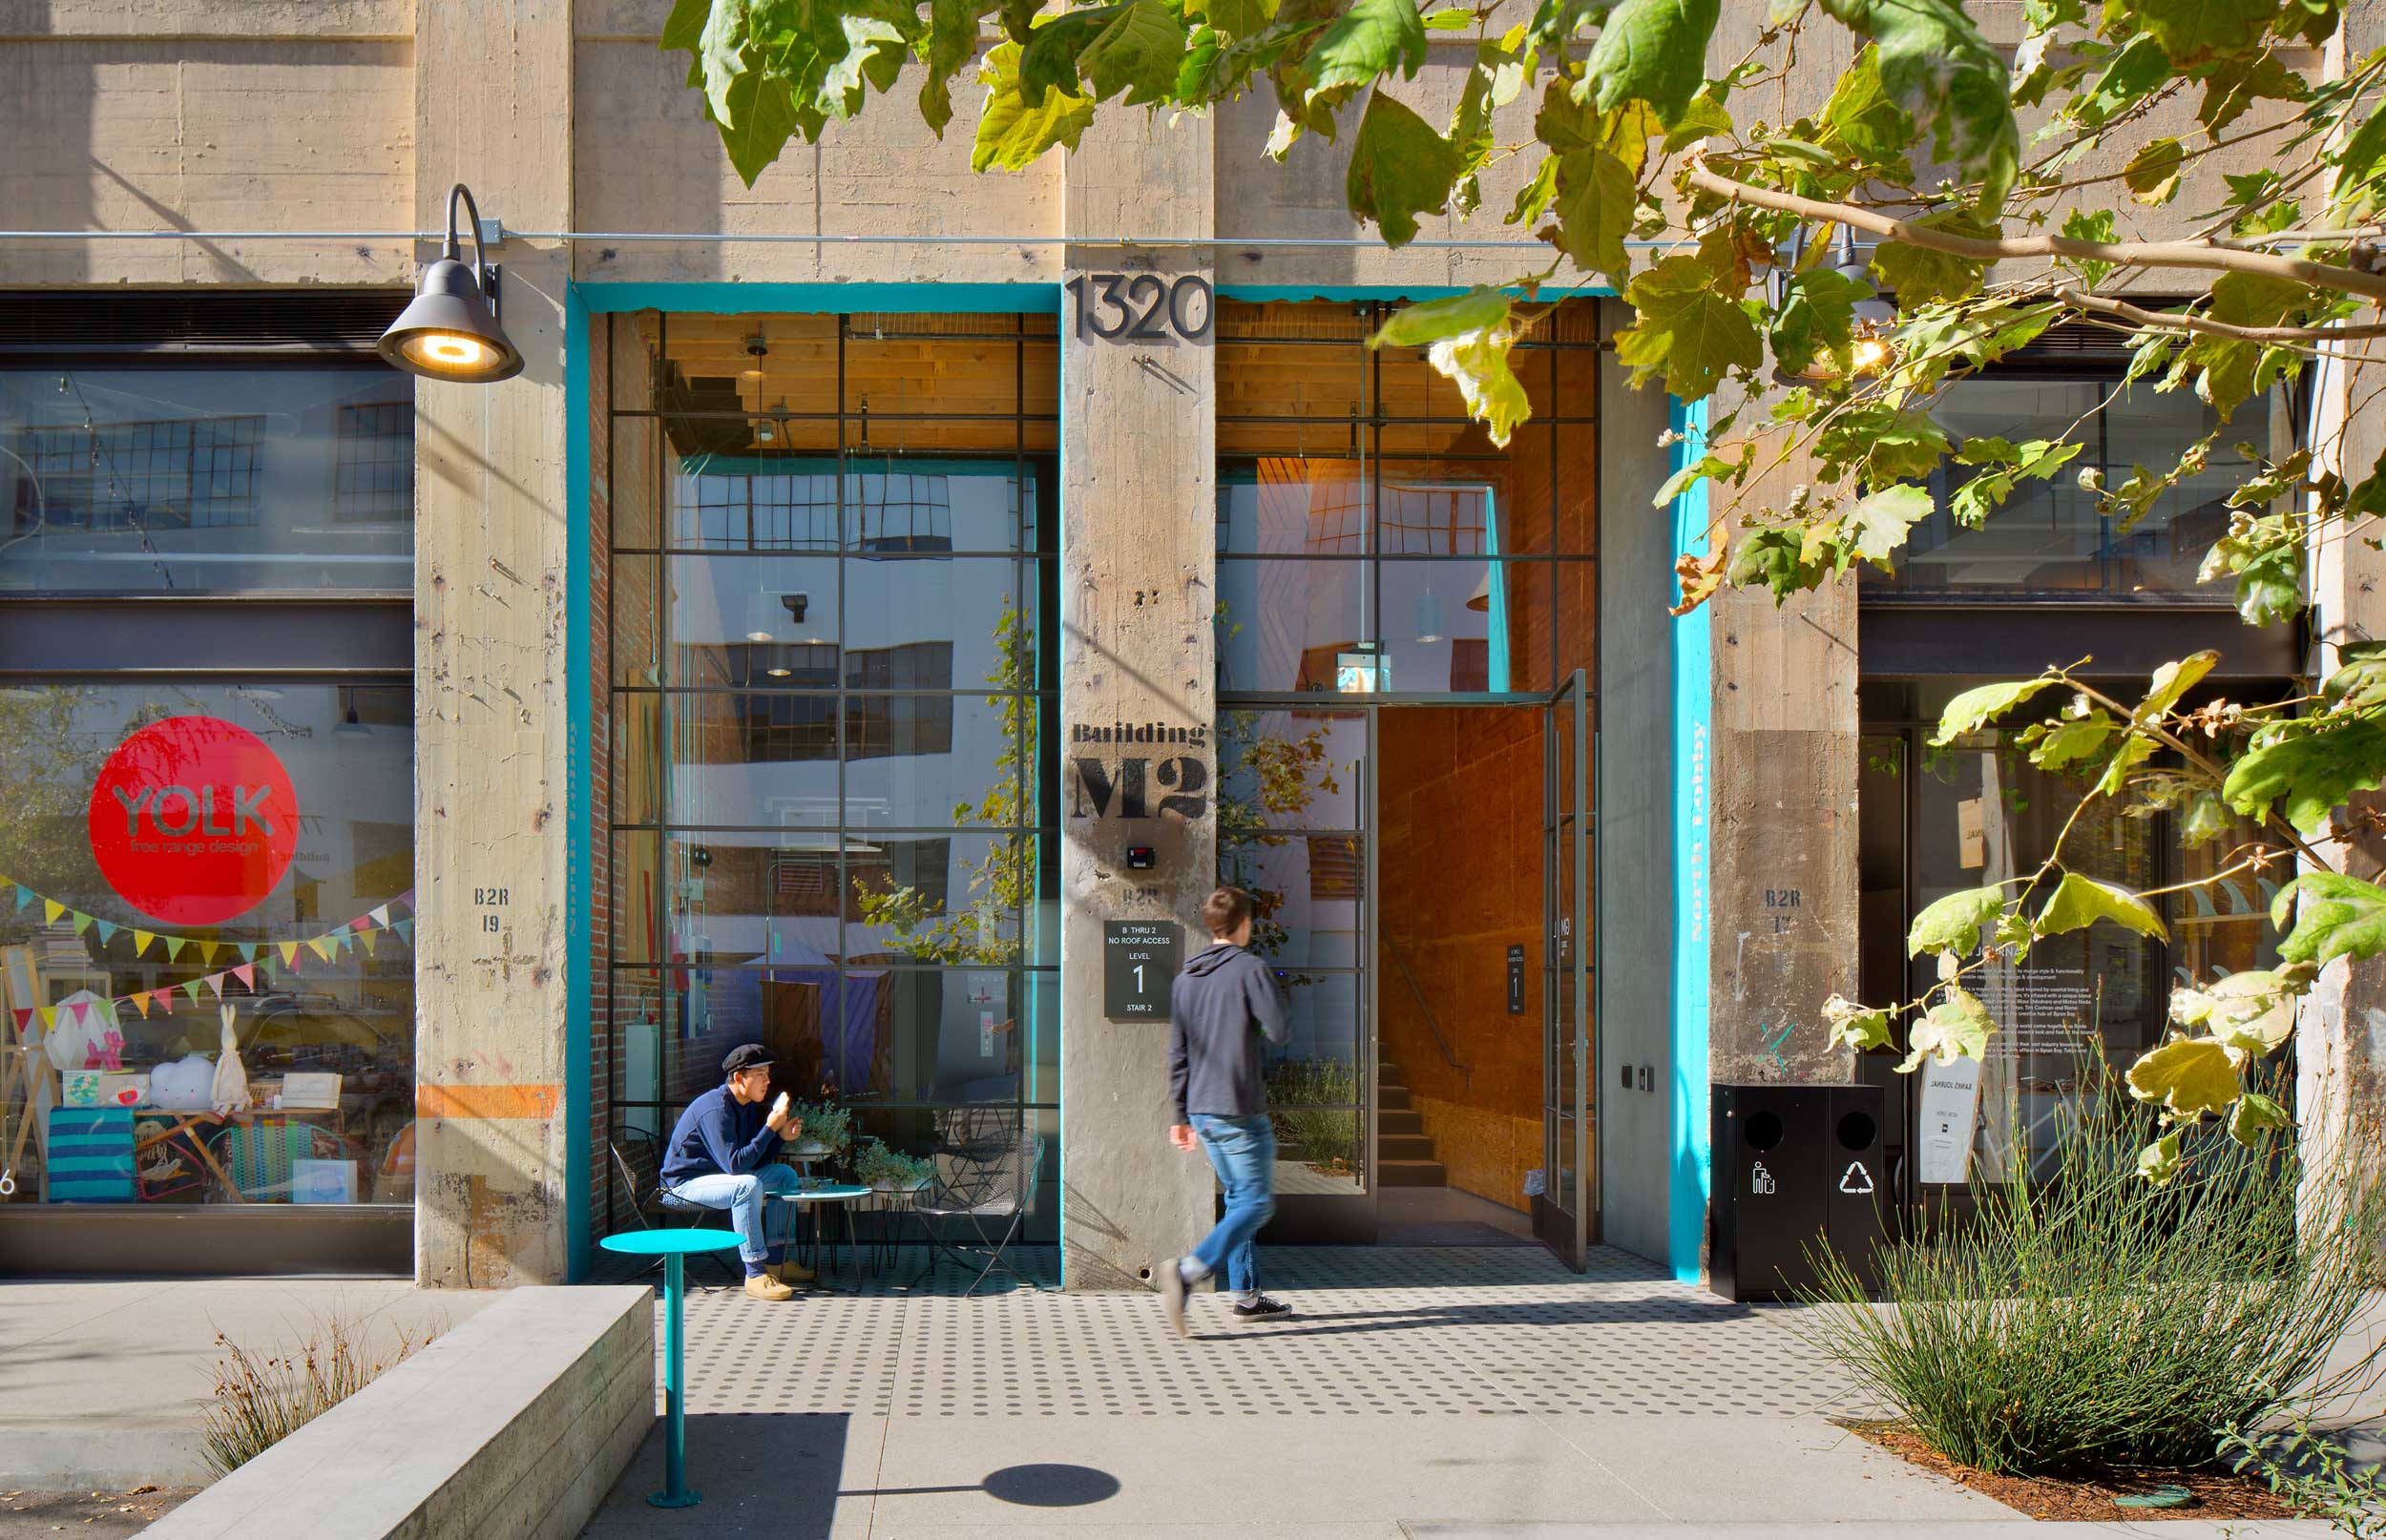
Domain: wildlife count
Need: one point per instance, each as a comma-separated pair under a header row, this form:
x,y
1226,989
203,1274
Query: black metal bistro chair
x,y
656,1208
986,1162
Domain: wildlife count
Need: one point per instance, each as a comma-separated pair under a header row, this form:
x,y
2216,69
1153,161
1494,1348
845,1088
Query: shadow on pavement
x,y
772,1476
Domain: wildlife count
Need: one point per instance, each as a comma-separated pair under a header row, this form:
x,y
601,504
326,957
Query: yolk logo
x,y
192,821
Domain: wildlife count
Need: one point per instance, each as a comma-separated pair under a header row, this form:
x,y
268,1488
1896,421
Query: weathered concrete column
x,y
1138,436
494,109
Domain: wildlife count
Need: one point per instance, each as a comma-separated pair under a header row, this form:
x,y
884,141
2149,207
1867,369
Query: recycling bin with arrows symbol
x,y
1796,1167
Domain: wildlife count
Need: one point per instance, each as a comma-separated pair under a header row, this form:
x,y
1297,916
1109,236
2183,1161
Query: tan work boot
x,y
792,1270
764,1286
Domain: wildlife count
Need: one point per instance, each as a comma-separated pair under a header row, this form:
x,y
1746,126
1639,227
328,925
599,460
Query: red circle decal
x,y
192,821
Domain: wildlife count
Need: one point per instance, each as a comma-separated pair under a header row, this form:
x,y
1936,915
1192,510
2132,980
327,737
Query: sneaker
x,y
764,1286
792,1270
1172,1292
1263,1309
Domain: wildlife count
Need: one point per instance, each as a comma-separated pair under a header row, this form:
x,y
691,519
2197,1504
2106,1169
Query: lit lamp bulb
x,y
448,352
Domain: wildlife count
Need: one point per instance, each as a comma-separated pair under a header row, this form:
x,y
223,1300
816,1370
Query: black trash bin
x,y
1793,1165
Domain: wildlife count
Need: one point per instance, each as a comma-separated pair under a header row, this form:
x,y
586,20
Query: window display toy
x,y
231,1076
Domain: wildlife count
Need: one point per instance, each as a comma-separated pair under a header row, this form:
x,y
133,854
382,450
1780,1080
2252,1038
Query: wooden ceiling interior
x,y
1293,378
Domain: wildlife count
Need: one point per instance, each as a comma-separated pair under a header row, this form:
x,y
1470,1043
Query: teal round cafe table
x,y
674,1247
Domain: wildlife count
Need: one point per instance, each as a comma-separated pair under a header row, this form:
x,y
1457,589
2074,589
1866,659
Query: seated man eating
x,y
724,1154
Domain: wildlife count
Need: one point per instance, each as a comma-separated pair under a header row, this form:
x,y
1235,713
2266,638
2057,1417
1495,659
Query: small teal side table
x,y
672,1246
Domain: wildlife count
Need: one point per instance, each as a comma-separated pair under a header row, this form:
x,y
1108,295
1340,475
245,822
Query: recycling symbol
x,y
1856,1179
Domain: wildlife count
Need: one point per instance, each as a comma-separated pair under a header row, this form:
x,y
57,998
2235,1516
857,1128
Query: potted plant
x,y
827,1131
889,1171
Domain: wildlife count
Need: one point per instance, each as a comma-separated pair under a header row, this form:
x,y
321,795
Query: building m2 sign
x,y
192,821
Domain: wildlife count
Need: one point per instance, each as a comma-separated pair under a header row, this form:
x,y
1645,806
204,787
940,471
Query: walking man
x,y
1224,1002
724,1154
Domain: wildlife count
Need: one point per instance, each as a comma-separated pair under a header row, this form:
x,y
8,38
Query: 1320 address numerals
x,y
1142,306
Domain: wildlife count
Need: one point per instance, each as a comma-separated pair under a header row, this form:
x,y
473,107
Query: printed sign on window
x,y
192,821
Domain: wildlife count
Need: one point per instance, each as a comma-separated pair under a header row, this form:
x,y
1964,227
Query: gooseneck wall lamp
x,y
450,330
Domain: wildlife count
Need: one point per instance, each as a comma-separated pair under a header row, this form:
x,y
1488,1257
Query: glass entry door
x,y
1562,1210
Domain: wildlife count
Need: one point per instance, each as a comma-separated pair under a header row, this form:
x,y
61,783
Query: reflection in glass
x,y
758,623
1282,625
2050,537
1288,769
1306,890
207,480
316,969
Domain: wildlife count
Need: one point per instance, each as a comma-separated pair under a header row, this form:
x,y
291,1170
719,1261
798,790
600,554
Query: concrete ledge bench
x,y
515,1422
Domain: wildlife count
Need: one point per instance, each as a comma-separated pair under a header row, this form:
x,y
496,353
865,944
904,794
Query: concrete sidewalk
x,y
1461,1392
102,1381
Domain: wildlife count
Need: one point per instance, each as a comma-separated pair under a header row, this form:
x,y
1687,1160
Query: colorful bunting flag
x,y
191,989
164,999
174,947
215,985
246,973
207,950
248,951
107,931
406,930
140,1003
381,916
24,896
79,1009
321,947
49,1017
371,940
25,1018
141,940
51,909
82,922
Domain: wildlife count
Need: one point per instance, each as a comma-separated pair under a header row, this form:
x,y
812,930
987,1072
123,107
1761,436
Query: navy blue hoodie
x,y
1220,1008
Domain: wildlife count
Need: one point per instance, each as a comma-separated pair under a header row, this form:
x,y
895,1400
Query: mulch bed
x,y
2216,1493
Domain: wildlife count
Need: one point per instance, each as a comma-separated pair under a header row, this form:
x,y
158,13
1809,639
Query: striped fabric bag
x,y
90,1155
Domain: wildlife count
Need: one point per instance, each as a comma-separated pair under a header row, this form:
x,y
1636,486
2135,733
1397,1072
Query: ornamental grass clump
x,y
2098,1320
263,1398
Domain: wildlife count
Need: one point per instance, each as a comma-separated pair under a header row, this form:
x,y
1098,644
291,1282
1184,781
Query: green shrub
x,y
2313,1475
1312,1101
2100,1319
263,1398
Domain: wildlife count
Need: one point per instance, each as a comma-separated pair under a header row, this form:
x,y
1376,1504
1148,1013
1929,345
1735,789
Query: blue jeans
x,y
1243,1150
744,1197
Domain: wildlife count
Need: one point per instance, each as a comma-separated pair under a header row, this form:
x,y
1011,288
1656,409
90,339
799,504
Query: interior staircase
x,y
1404,1154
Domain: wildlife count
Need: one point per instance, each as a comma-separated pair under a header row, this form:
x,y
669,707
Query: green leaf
x,y
2307,775
2129,77
1534,197
2159,1162
1934,64
2080,902
1704,118
1919,276
952,42
1371,38
2254,1116
1450,19
2081,224
1817,315
2060,744
1953,924
2193,32
1956,1028
1467,336
1594,209
2152,174
1976,708
1653,50
2136,748
1399,169
1856,1027
1864,122
685,27
2359,166
2336,916
760,121
1010,132
1685,328
2171,681
2006,465
2232,87
2188,1076
1137,53
1884,442
1238,18
1882,520
2254,1012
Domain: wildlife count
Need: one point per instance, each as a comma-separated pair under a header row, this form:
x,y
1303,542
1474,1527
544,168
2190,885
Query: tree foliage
x,y
1701,188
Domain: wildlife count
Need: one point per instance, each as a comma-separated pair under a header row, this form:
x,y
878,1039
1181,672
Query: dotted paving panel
x,y
1490,1331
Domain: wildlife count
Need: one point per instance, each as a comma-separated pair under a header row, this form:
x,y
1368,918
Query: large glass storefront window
x,y
117,478
207,927
2049,539
833,659
1370,536
1940,820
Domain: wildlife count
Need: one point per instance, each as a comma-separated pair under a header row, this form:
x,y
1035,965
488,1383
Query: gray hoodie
x,y
1221,1005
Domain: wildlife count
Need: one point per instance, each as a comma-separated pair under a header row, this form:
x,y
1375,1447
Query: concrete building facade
x,y
887,602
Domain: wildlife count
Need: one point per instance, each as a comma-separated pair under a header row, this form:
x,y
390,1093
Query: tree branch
x,y
2138,254
2177,321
